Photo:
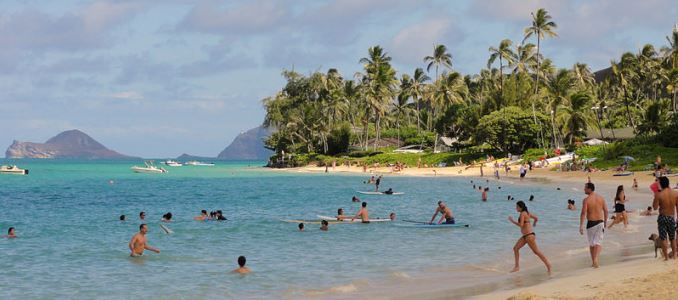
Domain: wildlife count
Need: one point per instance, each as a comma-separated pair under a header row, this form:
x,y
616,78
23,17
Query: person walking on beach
x,y
363,214
594,210
139,243
446,213
667,201
241,266
529,238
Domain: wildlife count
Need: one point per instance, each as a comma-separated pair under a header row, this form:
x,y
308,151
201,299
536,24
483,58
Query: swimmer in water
x,y
139,243
301,226
363,214
242,269
392,216
484,194
202,217
324,225
122,218
340,214
167,217
355,199
142,216
11,234
531,197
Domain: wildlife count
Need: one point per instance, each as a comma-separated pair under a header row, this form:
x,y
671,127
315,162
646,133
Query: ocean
x,y
71,244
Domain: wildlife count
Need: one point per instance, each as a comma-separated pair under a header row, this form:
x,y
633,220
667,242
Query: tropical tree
x,y
542,27
583,76
440,58
577,116
504,53
379,84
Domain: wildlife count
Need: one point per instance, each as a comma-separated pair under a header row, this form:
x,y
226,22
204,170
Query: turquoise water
x,y
71,244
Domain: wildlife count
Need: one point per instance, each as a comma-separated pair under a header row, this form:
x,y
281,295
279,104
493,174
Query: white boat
x,y
197,163
148,168
173,163
13,170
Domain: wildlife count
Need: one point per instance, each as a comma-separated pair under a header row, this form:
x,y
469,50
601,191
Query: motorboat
x,y
12,169
148,168
173,163
198,163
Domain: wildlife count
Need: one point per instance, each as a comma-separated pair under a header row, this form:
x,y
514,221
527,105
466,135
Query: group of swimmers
x,y
216,215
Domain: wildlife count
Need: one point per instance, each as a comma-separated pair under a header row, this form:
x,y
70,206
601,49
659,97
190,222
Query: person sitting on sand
x,y
301,226
363,214
528,236
202,217
139,243
324,225
167,217
570,204
446,214
648,212
619,208
10,233
389,191
242,269
666,201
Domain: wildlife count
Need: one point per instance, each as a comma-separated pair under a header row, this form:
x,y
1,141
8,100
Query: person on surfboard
x,y
340,214
446,214
376,184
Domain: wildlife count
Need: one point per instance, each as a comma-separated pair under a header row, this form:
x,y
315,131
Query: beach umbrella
x,y
593,142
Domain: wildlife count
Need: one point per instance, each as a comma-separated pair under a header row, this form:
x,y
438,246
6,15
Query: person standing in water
x,y
446,214
529,237
139,243
10,233
241,266
666,200
376,184
594,210
484,194
363,214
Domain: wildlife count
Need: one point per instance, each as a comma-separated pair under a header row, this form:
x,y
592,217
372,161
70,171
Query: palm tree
x,y
440,58
416,90
380,84
623,74
503,52
577,116
525,59
542,26
583,75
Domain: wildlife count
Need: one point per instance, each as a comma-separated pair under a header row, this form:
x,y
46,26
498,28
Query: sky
x,y
162,78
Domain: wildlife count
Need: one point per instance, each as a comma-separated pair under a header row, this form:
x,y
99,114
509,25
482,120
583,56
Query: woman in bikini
x,y
619,208
528,237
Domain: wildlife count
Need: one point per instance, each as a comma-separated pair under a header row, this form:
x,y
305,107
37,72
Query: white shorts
x,y
595,234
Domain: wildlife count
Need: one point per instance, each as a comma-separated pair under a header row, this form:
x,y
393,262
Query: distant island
x,y
68,144
248,145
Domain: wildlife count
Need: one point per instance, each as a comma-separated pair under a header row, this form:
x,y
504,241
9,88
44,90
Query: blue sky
x,y
161,78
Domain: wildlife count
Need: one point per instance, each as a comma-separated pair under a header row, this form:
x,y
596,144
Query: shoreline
x,y
622,274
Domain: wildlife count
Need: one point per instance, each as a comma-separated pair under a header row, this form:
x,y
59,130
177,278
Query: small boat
x,y
198,163
173,163
148,168
13,170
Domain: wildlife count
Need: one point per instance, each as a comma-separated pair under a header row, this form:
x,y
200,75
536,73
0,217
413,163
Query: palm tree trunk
x,y
418,113
501,79
628,112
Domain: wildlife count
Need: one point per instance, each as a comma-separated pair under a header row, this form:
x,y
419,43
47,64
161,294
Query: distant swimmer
x,y
392,216
301,226
531,197
594,210
389,191
446,214
508,198
167,217
220,216
570,204
363,214
666,201
648,212
122,218
142,216
340,214
242,269
10,233
202,217
529,237
139,243
324,225
355,199
484,194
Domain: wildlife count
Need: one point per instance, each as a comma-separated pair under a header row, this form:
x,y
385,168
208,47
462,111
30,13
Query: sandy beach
x,y
623,277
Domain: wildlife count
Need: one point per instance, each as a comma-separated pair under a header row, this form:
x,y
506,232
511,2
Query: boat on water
x,y
173,163
148,168
198,163
13,170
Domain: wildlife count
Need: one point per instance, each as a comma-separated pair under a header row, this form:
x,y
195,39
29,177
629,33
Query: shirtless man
x,y
666,200
202,217
363,214
446,214
241,266
138,244
594,210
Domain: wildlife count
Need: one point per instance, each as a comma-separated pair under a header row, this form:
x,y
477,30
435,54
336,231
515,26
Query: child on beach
x,y
528,236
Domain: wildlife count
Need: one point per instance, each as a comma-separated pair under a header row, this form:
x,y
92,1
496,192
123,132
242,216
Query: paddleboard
x,y
380,193
333,221
327,218
427,225
166,229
